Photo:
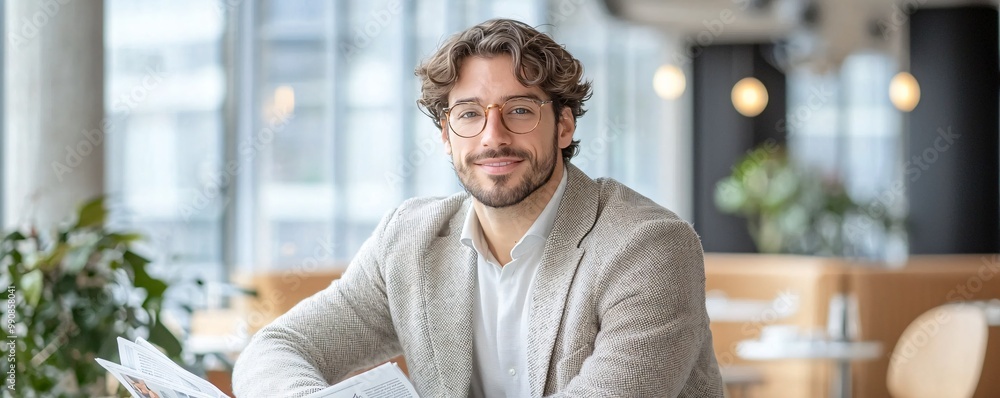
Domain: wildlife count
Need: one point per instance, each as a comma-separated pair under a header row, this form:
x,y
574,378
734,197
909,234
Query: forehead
x,y
489,79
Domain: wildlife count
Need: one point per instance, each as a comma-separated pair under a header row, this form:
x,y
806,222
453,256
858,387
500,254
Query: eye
x,y
466,111
520,110
468,114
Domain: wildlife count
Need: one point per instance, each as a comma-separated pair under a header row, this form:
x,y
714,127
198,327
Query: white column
x,y
54,109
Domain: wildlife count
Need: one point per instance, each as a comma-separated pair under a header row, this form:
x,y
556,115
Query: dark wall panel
x,y
722,136
952,148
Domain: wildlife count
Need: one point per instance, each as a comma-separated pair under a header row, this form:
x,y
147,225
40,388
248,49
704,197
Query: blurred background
x,y
840,159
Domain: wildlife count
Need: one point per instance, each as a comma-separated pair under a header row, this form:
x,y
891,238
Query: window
x,y
3,136
844,125
165,90
282,131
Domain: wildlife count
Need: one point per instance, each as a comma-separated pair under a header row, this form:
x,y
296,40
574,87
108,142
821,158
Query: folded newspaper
x,y
147,373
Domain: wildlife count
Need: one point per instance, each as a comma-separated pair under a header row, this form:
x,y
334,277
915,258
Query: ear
x,y
445,139
565,127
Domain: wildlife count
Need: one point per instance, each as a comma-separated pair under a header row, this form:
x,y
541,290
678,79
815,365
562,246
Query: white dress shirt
x,y
500,330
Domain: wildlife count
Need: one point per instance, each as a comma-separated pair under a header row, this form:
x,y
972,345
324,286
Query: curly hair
x,y
538,60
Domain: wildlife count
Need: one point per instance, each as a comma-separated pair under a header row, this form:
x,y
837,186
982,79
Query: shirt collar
x,y
472,233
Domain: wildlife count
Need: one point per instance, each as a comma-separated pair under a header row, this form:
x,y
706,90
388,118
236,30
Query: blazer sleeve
x,y
343,327
653,339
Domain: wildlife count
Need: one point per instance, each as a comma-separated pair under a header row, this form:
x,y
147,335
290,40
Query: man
x,y
536,281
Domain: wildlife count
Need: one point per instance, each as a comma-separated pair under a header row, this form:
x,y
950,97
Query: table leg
x,y
840,386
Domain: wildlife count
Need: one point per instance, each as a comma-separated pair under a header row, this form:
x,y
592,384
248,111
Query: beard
x,y
495,192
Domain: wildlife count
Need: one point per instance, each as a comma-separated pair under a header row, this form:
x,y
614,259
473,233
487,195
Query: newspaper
x,y
147,373
141,385
385,381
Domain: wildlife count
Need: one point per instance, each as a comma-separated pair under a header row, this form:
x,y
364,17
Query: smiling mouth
x,y
499,167
497,164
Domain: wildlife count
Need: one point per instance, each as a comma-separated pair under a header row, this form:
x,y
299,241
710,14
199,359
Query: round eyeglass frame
x,y
486,113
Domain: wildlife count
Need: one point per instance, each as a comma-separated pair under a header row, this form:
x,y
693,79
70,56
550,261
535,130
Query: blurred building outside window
x,y
165,92
843,124
356,145
273,135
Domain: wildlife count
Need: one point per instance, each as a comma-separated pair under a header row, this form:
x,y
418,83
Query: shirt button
x,y
512,372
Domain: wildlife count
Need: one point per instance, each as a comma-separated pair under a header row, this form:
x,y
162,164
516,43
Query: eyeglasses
x,y
519,115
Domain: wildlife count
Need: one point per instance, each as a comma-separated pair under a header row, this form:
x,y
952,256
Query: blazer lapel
x,y
448,282
577,213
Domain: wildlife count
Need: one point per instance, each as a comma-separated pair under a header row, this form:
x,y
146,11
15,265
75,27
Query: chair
x,y
940,354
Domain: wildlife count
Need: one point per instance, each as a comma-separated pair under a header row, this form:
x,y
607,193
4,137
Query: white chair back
x,y
940,354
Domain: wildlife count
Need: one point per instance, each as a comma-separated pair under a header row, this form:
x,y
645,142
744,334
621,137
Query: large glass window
x,y
844,125
278,132
165,89
355,144
3,135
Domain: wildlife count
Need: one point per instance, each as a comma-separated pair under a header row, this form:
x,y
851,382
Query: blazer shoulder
x,y
632,209
626,217
427,214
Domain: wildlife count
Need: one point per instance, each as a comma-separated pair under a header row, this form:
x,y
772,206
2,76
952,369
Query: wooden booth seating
x,y
278,292
808,283
891,299
888,300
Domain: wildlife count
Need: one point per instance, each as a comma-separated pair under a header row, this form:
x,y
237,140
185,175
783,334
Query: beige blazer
x,y
617,310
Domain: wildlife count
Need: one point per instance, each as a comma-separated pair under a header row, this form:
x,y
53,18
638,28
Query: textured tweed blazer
x,y
617,307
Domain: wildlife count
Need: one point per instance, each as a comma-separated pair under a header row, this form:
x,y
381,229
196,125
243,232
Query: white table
x,y
721,308
740,378
211,344
223,348
843,352
991,309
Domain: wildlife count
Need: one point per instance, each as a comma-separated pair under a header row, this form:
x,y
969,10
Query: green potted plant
x,y
789,208
71,294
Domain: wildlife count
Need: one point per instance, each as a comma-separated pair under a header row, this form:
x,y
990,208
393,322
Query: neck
x,y
504,227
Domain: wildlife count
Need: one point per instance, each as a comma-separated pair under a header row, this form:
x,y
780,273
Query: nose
x,y
495,134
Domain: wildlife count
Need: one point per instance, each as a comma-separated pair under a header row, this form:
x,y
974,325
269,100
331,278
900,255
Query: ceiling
x,y
825,31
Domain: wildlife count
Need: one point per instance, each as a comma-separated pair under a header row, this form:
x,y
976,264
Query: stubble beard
x,y
499,196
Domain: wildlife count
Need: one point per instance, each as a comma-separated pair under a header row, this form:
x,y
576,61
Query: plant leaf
x,y
124,237
165,339
17,257
14,236
55,258
92,213
729,195
133,259
109,348
77,258
154,287
31,284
